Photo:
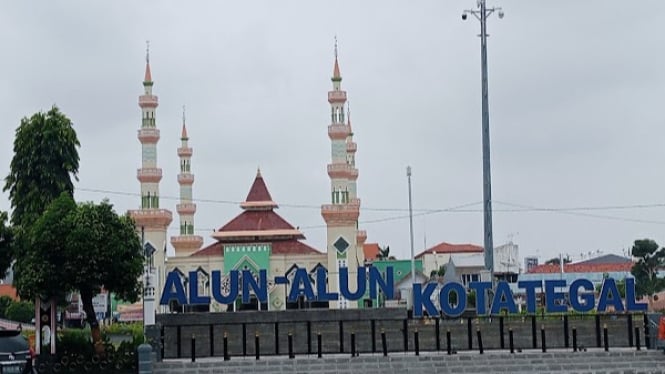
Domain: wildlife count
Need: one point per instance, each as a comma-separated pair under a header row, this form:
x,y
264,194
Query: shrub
x,y
21,311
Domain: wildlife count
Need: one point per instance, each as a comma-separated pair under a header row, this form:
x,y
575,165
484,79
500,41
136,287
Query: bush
x,y
5,302
21,311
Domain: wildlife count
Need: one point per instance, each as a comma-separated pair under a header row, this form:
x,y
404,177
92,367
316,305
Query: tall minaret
x,y
151,221
341,216
186,243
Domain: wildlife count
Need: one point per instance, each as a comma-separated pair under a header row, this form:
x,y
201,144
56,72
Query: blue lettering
x,y
260,288
321,281
173,289
530,288
609,293
587,297
420,299
444,299
194,297
217,287
344,284
387,285
480,288
631,304
503,299
552,296
301,285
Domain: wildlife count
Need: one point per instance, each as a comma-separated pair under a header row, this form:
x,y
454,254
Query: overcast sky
x,y
574,89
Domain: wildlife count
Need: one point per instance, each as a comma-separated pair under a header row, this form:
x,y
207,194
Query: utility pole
x,y
413,259
481,13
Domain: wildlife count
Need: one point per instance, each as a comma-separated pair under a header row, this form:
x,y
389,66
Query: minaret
x,y
344,240
186,243
151,221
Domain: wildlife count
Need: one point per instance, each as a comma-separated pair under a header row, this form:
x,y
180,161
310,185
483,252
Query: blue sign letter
x,y
321,281
344,284
609,293
587,297
260,288
631,304
420,299
217,287
444,299
530,288
552,296
173,289
194,297
386,286
480,288
301,284
503,298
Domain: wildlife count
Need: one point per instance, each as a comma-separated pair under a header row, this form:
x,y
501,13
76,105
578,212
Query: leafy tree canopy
x,y
45,160
6,240
21,311
650,259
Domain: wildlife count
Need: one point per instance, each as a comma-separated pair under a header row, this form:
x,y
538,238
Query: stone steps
x,y
624,361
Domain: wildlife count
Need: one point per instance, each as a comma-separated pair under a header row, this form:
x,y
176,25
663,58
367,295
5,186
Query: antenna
x,y
147,51
183,114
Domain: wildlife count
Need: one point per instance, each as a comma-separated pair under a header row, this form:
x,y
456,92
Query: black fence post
x,y
257,349
449,346
309,337
384,344
318,345
341,337
597,317
629,322
574,339
542,338
373,328
469,332
353,344
405,334
647,337
501,333
161,341
437,334
511,341
637,338
226,347
244,340
212,341
291,355
605,338
534,335
566,340
416,342
178,342
277,338
480,340
193,352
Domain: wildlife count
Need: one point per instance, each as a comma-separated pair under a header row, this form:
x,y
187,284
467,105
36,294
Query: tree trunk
x,y
91,318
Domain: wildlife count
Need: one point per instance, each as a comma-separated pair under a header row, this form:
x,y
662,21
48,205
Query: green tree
x,y
5,302
6,241
645,270
21,311
45,160
102,250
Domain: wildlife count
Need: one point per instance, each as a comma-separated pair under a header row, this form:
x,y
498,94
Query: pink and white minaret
x,y
151,221
186,243
344,240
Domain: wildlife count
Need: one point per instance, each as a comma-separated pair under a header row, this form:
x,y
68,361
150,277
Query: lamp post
x,y
413,259
481,13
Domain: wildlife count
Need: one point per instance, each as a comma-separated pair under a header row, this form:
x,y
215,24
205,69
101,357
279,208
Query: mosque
x,y
258,237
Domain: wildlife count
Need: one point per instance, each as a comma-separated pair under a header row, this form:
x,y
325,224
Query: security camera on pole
x,y
481,13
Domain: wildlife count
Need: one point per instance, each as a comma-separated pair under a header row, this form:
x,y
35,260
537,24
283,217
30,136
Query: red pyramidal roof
x,y
336,73
184,132
258,196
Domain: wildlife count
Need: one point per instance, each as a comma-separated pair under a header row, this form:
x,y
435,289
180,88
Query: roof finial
x,y
258,172
335,47
183,115
147,51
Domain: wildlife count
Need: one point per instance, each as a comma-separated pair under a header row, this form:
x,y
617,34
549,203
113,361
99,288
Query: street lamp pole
x,y
481,13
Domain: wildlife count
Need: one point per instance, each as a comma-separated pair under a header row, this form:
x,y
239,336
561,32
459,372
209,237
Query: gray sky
x,y
574,90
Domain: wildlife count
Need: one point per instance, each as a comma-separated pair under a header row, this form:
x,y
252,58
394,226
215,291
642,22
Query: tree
x,y
21,311
5,302
557,261
6,240
45,160
384,253
82,248
645,270
103,250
